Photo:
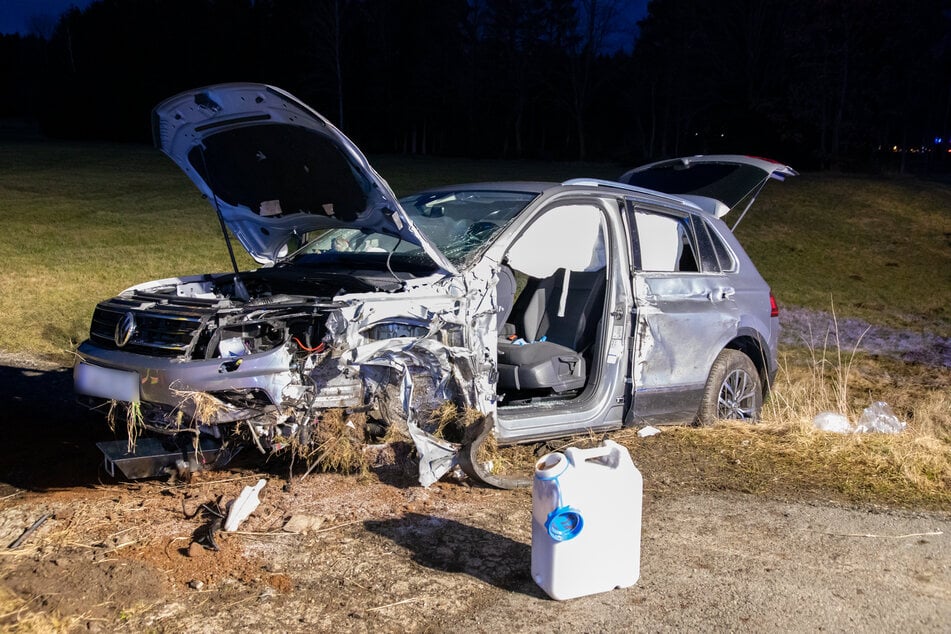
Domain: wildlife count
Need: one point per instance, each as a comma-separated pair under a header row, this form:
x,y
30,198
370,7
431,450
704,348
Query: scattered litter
x,y
928,534
644,432
303,523
244,506
391,605
877,417
32,529
830,421
196,584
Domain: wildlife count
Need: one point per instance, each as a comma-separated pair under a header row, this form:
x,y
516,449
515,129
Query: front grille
x,y
164,326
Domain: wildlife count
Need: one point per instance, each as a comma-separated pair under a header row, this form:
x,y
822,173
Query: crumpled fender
x,y
466,303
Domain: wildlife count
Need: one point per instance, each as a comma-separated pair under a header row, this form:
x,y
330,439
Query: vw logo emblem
x,y
124,329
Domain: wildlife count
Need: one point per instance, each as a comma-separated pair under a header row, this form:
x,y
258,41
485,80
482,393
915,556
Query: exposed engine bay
x,y
259,359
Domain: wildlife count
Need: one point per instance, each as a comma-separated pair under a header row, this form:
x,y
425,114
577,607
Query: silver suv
x,y
546,309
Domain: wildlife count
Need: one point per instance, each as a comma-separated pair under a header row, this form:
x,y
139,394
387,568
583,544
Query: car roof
x,y
540,187
528,187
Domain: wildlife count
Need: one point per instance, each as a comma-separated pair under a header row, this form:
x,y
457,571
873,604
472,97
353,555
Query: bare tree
x,y
597,21
42,25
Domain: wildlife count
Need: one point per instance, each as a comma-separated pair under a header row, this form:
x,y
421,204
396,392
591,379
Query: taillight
x,y
773,306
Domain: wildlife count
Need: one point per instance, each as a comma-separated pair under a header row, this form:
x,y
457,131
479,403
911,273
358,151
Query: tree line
x,y
815,82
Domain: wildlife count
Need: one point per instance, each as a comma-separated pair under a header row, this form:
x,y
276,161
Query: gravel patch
x,y
817,329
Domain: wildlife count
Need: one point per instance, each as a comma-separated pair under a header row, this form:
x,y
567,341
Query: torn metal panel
x,y
454,345
436,456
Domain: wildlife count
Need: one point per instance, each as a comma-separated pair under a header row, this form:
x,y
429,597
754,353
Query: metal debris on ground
x,y
32,529
241,508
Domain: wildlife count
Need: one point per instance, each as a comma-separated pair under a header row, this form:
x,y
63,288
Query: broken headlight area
x,y
217,316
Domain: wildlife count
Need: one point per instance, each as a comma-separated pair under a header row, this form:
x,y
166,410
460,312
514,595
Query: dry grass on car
x,y
338,444
128,415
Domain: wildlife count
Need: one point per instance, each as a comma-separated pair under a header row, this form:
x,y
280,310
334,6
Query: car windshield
x,y
458,222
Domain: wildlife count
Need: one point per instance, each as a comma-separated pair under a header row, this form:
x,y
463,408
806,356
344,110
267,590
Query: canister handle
x,y
577,456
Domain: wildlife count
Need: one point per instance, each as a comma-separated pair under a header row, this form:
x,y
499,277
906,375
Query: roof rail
x,y
598,182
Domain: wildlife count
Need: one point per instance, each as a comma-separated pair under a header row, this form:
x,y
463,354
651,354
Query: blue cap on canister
x,y
564,523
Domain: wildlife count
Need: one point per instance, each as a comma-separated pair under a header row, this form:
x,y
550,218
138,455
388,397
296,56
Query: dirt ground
x,y
382,554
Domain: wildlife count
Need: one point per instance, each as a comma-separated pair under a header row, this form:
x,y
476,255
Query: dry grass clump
x,y
450,422
504,461
446,421
128,414
204,407
790,460
17,616
396,433
338,443
444,415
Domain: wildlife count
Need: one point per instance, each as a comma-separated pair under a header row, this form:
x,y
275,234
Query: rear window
x,y
729,183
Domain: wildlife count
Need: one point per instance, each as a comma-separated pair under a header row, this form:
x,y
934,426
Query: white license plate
x,y
119,385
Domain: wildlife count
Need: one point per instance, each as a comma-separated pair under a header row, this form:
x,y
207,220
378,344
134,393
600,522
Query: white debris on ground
x,y
644,432
246,504
876,418
831,421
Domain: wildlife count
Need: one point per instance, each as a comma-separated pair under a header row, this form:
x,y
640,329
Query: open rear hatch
x,y
718,183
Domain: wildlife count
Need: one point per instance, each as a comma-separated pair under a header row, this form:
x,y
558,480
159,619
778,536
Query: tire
x,y
734,390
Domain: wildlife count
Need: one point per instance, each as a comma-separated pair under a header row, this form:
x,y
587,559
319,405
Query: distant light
x,y
938,140
894,148
722,135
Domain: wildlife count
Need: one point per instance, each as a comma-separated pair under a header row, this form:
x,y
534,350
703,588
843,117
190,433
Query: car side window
x,y
667,242
724,256
708,256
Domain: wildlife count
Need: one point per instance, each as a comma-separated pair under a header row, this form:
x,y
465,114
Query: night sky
x,y
812,83
14,14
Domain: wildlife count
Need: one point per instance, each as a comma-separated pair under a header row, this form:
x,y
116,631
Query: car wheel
x,y
734,390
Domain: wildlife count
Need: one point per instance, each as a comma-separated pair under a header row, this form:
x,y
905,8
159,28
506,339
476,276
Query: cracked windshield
x,y
458,223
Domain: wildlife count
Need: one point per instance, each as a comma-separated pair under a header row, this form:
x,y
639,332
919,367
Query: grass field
x,y
880,248
82,222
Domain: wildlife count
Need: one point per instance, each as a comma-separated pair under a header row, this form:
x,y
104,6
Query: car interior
x,y
549,325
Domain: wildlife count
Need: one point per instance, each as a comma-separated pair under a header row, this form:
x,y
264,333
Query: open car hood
x,y
718,183
275,168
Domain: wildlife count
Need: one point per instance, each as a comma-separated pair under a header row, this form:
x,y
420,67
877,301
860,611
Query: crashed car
x,y
546,309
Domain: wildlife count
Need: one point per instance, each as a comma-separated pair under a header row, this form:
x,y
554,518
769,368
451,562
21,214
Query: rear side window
x,y
725,258
708,257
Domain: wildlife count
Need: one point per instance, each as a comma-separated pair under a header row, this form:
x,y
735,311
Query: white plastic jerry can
x,y
586,521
